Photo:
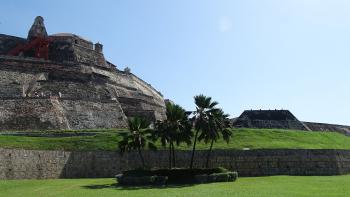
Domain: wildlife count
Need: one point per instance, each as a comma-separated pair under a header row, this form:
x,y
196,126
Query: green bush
x,y
196,175
233,176
216,177
141,180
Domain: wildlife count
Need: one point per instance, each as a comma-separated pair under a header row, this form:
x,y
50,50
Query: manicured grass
x,y
258,186
242,138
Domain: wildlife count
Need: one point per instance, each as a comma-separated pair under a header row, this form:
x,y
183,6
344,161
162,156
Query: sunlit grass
x,y
242,138
320,186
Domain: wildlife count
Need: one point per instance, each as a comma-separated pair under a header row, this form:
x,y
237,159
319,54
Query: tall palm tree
x,y
174,130
218,126
137,138
204,107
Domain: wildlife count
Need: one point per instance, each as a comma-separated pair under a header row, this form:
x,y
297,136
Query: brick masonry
x,y
39,164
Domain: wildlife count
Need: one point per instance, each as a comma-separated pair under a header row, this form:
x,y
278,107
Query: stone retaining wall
x,y
37,164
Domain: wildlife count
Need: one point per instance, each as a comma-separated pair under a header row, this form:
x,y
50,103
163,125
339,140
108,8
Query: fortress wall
x,y
328,127
54,113
137,97
89,56
82,114
37,164
7,76
28,114
14,84
281,124
90,87
7,43
69,90
61,50
132,86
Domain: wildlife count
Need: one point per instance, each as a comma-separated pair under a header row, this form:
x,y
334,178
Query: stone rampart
x,y
57,113
88,97
38,164
328,127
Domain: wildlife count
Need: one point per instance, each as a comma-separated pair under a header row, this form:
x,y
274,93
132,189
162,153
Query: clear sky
x,y
246,54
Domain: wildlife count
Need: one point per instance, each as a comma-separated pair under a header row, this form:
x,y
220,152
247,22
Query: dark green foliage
x,y
141,180
210,124
182,175
217,177
233,175
137,138
204,106
176,129
217,126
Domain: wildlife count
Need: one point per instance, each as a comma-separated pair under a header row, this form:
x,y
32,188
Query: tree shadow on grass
x,y
124,187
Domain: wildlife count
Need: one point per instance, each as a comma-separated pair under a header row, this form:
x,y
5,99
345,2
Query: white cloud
x,y
225,24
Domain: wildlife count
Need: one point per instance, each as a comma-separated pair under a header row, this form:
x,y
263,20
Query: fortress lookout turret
x,y
38,29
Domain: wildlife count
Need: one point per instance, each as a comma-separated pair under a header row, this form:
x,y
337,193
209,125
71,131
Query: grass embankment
x,y
257,186
242,138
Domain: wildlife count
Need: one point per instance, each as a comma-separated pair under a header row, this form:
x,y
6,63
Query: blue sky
x,y
246,54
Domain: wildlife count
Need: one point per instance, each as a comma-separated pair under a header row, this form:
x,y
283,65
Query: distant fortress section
x,y
63,81
282,119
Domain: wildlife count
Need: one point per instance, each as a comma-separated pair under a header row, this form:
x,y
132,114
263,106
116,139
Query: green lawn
x,y
257,186
242,138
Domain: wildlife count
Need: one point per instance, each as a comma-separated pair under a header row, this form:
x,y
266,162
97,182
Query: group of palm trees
x,y
207,123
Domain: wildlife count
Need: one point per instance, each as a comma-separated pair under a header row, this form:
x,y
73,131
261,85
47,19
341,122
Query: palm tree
x,y
204,107
174,130
137,138
218,125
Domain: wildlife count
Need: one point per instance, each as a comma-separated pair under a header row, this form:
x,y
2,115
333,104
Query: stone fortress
x,y
62,81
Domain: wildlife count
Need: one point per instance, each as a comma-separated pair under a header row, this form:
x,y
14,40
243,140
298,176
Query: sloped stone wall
x,y
107,95
55,113
314,126
36,164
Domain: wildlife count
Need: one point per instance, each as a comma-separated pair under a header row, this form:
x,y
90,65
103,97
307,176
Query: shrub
x,y
178,175
163,176
233,176
219,177
201,178
141,180
216,177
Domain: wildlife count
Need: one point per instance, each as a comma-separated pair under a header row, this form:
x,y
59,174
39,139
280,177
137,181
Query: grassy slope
x,y
257,186
242,138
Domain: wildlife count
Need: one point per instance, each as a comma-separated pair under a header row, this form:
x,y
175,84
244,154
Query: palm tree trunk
x,y
209,152
141,157
194,149
169,155
173,151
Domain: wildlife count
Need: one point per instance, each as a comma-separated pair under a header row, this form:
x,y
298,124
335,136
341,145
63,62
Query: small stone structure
x,y
62,81
282,119
37,164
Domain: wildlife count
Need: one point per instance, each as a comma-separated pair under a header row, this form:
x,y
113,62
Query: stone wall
x,y
328,127
272,124
88,96
9,42
36,164
56,113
